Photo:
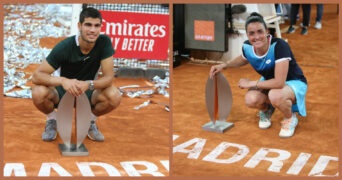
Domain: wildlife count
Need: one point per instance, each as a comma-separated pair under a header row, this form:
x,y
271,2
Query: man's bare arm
x,y
106,79
42,76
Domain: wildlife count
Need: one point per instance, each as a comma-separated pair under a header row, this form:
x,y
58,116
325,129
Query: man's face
x,y
90,29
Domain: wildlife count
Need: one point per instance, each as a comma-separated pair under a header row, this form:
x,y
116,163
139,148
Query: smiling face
x,y
257,35
90,29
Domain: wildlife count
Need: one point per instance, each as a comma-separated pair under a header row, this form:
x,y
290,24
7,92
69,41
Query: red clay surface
x,y
139,138
313,150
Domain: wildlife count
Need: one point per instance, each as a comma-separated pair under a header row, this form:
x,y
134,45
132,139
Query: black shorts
x,y
61,91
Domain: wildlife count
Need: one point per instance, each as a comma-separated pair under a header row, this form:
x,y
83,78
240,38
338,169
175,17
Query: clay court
x,y
246,150
134,139
137,141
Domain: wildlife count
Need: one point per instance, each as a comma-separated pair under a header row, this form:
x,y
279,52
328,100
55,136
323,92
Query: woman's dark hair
x,y
255,17
89,12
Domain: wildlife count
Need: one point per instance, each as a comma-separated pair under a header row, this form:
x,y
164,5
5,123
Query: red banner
x,y
137,35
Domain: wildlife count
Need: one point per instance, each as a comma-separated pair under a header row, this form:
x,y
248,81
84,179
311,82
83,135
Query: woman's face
x,y
257,35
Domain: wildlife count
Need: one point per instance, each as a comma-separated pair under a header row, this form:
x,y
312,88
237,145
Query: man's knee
x,y
43,98
39,93
114,98
111,97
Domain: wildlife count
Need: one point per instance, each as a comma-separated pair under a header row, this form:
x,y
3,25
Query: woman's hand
x,y
215,69
246,83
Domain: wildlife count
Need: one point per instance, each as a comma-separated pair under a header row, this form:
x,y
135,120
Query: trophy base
x,y
218,127
73,150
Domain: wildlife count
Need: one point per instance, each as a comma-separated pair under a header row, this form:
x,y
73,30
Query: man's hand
x,y
83,85
74,86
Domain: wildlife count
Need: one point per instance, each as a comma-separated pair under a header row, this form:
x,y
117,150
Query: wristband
x,y
256,85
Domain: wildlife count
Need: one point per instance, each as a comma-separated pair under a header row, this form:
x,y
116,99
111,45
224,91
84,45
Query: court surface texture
x,y
246,150
136,142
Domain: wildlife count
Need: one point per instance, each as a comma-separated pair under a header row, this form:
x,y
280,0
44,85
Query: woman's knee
x,y
279,96
253,100
276,97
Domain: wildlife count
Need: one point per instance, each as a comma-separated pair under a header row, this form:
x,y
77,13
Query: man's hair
x,y
89,12
255,17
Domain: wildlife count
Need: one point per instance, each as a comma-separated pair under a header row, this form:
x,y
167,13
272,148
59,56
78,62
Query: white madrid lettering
x,y
228,153
132,168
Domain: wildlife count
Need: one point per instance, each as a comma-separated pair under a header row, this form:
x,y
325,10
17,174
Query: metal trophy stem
x,y
219,100
65,114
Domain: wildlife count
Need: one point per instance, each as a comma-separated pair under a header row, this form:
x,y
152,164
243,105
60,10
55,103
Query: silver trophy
x,y
65,112
218,96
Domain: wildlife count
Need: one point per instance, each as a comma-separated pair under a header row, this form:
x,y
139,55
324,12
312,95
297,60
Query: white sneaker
x,y
265,118
318,25
288,127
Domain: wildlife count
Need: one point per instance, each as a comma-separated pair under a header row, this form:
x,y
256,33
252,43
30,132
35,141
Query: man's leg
x,y
45,98
103,101
293,17
318,24
319,12
306,14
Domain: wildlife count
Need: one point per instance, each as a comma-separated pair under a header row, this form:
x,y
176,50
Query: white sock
x,y
52,115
